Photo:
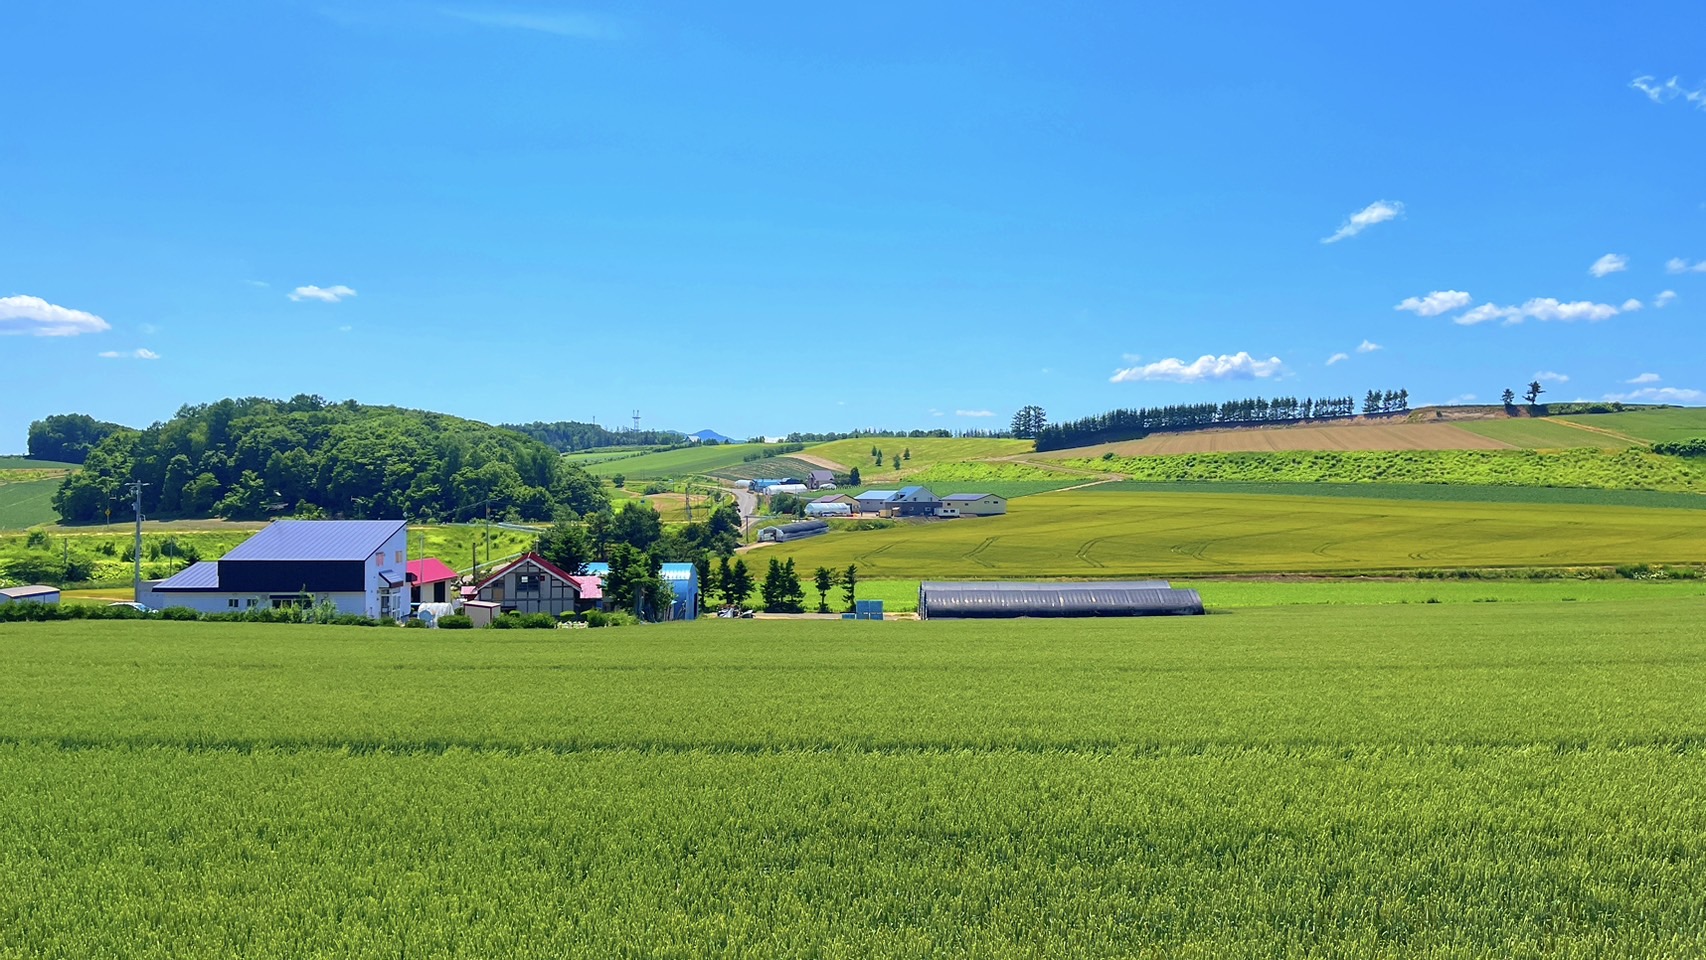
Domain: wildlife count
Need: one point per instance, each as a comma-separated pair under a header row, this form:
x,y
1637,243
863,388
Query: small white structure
x,y
816,509
794,488
798,530
35,593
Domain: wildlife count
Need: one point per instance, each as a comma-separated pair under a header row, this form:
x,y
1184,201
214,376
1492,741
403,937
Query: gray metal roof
x,y
1132,598
32,590
909,491
196,576
967,496
821,475
878,495
317,540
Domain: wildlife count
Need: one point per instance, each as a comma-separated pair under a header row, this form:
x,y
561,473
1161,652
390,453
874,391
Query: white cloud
x,y
1664,299
1669,90
331,294
1237,366
1379,211
936,413
36,317
141,353
149,329
1368,346
1548,376
577,25
1547,309
974,413
346,328
1644,378
1659,395
1436,303
1609,264
1679,265
1335,358
262,284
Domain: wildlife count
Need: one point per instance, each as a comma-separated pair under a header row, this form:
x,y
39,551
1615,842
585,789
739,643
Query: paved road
x,y
748,502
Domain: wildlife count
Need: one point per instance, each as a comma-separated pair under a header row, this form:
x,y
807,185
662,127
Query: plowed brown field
x,y
1355,436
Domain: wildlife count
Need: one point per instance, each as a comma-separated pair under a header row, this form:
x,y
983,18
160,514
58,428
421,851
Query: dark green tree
x,y
1534,392
638,525
739,584
781,589
1508,397
853,477
566,545
824,581
67,437
850,586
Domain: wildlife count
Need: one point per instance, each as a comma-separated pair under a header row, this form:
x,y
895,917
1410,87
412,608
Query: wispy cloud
x,y
1664,298
1659,395
1337,358
332,294
1368,346
1435,303
1551,376
35,317
1236,366
579,26
974,413
140,353
1547,309
1609,264
936,413
1669,90
1679,265
1644,378
1379,211
262,284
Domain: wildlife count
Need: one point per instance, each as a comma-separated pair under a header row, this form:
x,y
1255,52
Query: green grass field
x,y
687,461
1463,493
1541,434
26,504
26,463
1631,469
1106,535
1477,780
1653,426
925,451
901,596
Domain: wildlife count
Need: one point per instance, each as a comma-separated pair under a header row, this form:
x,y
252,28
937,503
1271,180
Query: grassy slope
x,y
25,463
1108,535
925,451
1653,426
675,463
26,504
1542,434
1632,469
1463,493
1416,780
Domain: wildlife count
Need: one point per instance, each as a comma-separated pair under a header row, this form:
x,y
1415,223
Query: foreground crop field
x,y
1465,781
1104,535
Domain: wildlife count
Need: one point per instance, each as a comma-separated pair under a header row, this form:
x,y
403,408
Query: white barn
x,y
361,566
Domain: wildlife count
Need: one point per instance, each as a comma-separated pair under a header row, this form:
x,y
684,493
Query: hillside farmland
x,y
1653,426
1111,535
1380,435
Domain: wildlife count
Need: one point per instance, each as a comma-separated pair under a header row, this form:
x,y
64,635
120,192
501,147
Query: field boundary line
x,y
1599,430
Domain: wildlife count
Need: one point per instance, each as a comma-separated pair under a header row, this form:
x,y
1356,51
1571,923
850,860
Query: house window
x,y
379,559
231,603
399,556
527,583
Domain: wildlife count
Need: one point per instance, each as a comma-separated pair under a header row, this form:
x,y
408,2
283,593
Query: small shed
x,y
980,600
975,504
819,478
798,530
482,612
34,593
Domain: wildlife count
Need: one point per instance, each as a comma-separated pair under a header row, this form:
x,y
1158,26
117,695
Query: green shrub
x,y
455,621
179,613
416,624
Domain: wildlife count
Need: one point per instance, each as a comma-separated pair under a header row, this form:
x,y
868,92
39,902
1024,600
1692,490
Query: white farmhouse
x,y
359,565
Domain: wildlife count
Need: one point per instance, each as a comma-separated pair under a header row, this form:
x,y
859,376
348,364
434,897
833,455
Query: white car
x,y
132,604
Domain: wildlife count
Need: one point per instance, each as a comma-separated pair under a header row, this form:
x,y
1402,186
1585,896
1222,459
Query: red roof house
x,y
431,580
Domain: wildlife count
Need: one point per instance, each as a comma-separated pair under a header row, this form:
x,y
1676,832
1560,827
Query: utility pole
x,y
136,577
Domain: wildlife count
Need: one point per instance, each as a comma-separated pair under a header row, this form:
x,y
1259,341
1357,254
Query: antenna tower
x,y
636,421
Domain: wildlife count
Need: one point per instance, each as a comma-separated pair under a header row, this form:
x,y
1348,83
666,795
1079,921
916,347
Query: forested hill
x,y
567,435
68,438
255,457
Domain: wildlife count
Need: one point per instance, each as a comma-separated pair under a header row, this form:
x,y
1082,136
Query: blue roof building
x,y
682,580
361,566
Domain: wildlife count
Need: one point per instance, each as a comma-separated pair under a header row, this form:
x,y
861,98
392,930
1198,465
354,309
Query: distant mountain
x,y
704,435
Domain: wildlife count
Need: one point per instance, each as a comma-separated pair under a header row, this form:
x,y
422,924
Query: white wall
x,y
356,603
391,559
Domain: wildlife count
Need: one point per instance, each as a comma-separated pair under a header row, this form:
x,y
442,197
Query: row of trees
x,y
1532,395
250,457
1028,422
570,435
1133,424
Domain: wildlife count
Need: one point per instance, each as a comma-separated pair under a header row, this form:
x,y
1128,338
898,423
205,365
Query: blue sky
x,y
767,217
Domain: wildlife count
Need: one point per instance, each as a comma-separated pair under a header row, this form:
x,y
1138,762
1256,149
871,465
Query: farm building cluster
x,y
362,567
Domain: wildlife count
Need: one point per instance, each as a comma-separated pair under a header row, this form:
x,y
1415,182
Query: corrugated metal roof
x,y
914,491
1090,599
821,475
878,495
32,590
967,496
196,576
676,571
317,540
